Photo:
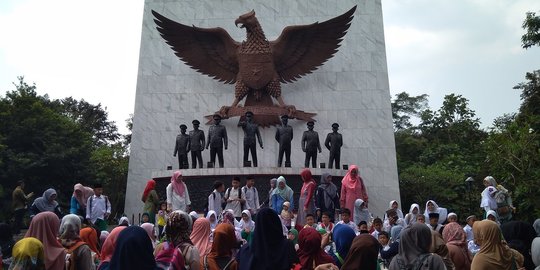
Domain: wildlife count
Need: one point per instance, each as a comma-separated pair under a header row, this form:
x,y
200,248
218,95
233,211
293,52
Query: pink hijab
x,y
86,192
177,184
349,181
45,226
109,245
200,236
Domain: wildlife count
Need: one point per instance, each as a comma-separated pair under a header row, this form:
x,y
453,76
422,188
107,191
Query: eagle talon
x,y
291,110
224,111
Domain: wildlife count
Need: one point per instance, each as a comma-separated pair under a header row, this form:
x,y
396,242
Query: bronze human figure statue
x,y
310,145
196,139
257,66
334,142
284,136
182,147
251,134
217,138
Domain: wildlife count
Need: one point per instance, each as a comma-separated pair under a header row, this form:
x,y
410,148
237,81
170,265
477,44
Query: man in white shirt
x,y
252,196
235,198
215,199
468,227
98,208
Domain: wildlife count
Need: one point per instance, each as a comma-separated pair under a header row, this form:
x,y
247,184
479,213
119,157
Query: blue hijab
x,y
343,237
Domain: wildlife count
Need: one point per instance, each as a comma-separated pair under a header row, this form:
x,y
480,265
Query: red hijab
x,y
177,183
150,185
109,245
307,177
310,252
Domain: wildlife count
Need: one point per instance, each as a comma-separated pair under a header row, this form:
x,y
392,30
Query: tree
x,y
404,107
529,111
532,25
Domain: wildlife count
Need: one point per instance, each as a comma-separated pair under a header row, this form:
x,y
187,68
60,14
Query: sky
x,y
89,50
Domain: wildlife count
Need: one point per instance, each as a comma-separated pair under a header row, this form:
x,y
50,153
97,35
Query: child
x,y
346,220
452,217
162,218
377,227
310,221
383,238
293,237
246,225
362,227
144,218
421,219
286,215
361,212
326,224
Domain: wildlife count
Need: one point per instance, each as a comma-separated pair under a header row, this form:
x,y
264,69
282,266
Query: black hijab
x,y
519,236
133,250
268,249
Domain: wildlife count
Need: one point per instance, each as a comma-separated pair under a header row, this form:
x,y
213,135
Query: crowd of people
x,y
331,229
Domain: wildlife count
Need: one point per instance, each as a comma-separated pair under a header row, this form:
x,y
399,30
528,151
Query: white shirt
x,y
99,207
214,201
178,202
350,224
468,232
236,206
252,199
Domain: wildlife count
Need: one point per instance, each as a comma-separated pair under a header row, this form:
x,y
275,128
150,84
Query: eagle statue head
x,y
248,21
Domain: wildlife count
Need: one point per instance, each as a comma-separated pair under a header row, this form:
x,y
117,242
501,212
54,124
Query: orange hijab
x,y
89,236
224,242
109,245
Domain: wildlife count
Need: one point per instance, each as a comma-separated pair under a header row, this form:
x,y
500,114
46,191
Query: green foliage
x,y
532,25
404,107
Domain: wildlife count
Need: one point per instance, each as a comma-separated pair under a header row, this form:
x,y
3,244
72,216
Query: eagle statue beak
x,y
239,21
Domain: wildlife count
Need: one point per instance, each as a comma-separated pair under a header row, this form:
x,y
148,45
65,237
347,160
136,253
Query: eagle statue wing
x,y
210,51
301,49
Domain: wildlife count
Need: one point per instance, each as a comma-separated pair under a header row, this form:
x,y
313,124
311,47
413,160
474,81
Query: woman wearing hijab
x,y
394,205
432,207
362,254
268,250
28,254
414,250
213,219
108,248
246,226
306,205
410,218
310,252
281,194
535,246
438,246
44,226
45,203
79,198
361,213
343,237
293,237
133,250
150,229
89,236
492,215
393,248
273,185
220,256
456,242
326,196
519,235
6,240
177,194
150,199
178,232
494,252
352,188
79,251
200,236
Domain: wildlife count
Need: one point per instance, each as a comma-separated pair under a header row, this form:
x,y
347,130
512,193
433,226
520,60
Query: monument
x,y
351,88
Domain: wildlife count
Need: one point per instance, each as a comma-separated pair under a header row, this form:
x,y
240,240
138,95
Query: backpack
x,y
239,196
417,263
226,267
92,199
168,255
205,209
71,257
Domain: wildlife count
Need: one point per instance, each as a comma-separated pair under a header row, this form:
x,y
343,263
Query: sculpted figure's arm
x,y
304,141
210,131
259,137
327,142
340,140
225,138
175,148
318,143
202,141
188,145
277,135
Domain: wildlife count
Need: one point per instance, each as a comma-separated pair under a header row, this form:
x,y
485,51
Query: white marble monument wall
x,y
350,89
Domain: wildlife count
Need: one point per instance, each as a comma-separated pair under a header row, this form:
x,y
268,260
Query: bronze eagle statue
x,y
256,65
